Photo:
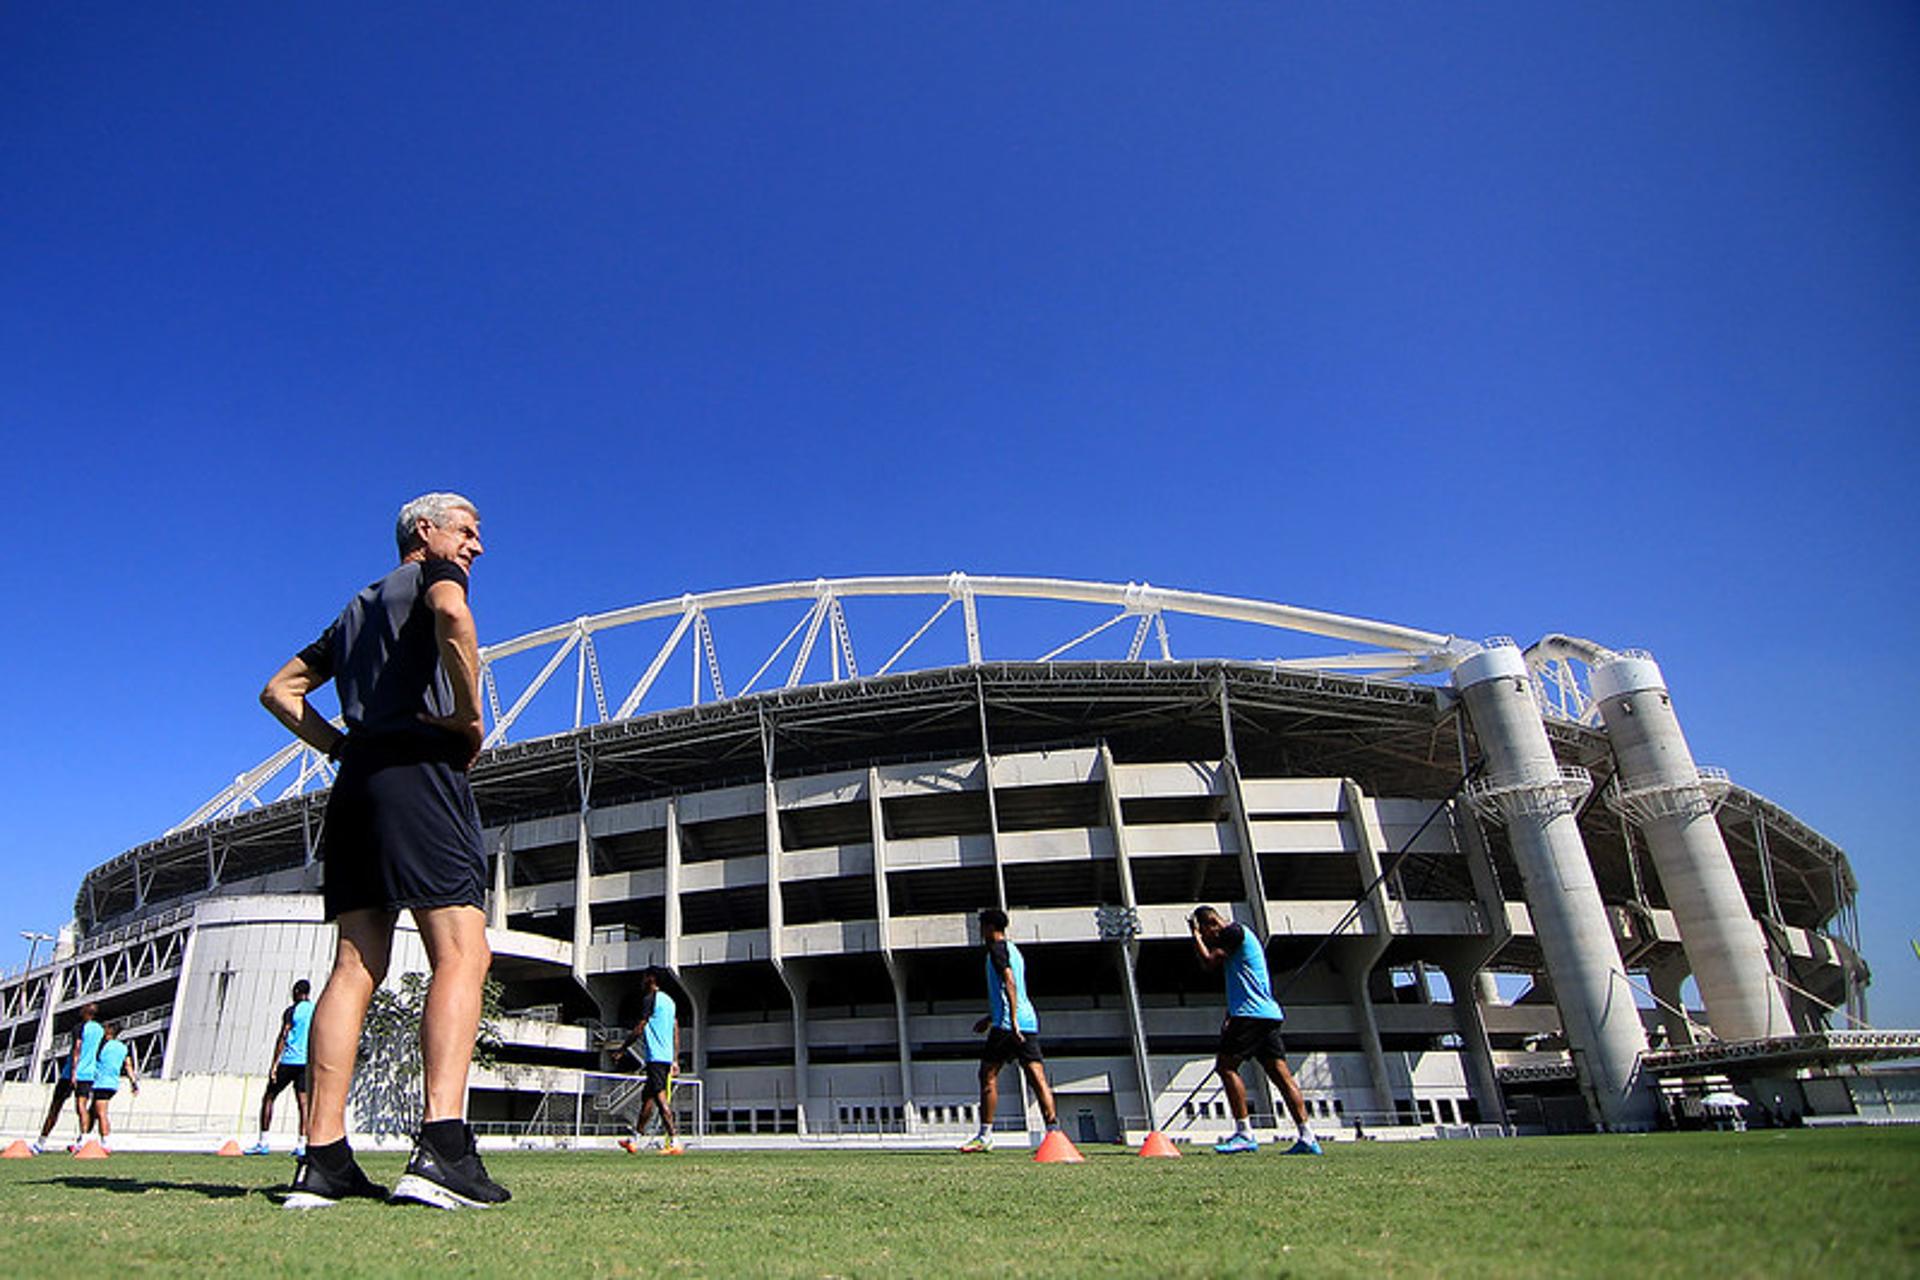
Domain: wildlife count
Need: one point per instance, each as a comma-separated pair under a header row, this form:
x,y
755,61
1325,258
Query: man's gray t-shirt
x,y
384,656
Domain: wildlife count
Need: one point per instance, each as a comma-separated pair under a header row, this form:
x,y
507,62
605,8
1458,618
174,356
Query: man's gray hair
x,y
434,507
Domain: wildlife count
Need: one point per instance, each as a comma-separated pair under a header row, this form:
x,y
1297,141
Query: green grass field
x,y
1793,1203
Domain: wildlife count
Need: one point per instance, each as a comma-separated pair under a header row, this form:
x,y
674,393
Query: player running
x,y
113,1070
1012,1029
659,1034
289,1068
1252,1029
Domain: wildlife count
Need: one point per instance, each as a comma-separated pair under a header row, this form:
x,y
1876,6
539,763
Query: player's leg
x,y
666,1126
446,1170
1042,1092
100,1119
1305,1143
456,943
1227,1067
62,1089
303,1098
982,1139
359,965
275,1083
83,1110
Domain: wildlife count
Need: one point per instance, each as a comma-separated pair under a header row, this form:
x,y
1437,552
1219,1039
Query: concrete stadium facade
x,y
806,861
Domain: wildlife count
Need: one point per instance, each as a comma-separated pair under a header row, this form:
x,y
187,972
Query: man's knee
x,y
1226,1065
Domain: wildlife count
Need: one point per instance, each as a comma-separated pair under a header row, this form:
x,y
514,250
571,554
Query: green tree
x,y
386,1093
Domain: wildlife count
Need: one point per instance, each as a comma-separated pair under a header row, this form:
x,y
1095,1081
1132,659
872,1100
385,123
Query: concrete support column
x,y
986,777
1524,788
674,929
790,977
896,969
1660,789
1361,1001
582,899
1130,950
502,877
1485,1077
1254,882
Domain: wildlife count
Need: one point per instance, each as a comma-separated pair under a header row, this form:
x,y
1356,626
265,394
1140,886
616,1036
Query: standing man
x,y
402,834
1252,1029
82,1058
112,1071
1012,1029
659,1034
289,1068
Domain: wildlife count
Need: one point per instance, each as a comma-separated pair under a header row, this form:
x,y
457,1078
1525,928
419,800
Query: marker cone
x,y
230,1148
1158,1145
17,1150
1057,1148
91,1150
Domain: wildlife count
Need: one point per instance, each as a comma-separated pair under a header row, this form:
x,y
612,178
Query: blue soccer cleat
x,y
1237,1144
1305,1147
258,1149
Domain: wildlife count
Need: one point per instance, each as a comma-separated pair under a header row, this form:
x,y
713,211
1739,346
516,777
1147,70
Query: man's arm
x,y
286,697
1013,1002
280,1041
1211,958
460,656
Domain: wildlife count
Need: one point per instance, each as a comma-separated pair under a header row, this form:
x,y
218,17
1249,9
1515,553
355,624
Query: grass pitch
x,y
1793,1203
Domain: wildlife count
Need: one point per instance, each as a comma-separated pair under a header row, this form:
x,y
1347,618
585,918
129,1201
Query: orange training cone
x,y
91,1150
230,1148
1057,1148
1158,1144
17,1150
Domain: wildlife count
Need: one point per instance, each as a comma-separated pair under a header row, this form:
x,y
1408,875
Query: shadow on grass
x,y
140,1186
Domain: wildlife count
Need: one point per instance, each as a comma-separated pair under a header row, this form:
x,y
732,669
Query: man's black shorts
x,y
402,831
657,1075
1001,1048
104,1095
83,1088
286,1073
1258,1038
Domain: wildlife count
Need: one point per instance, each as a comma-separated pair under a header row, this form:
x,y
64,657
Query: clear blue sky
x,y
1502,318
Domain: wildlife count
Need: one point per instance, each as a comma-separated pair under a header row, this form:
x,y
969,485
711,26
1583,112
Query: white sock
x,y
1243,1126
1305,1130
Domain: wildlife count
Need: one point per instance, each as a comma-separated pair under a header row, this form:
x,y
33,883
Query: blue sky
x,y
1491,319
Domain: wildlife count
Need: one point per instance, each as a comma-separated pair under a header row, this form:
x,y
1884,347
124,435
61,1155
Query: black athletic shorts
x,y
402,829
657,1076
286,1073
83,1088
1001,1048
104,1095
1259,1038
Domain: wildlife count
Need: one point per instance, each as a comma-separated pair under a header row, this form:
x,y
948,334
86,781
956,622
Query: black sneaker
x,y
317,1188
449,1181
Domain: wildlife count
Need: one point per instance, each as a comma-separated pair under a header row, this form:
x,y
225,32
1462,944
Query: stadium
x,y
1496,887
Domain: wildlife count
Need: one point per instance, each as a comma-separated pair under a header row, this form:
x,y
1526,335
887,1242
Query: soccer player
x,y
402,834
81,1060
1012,1029
1252,1029
289,1068
658,1032
113,1070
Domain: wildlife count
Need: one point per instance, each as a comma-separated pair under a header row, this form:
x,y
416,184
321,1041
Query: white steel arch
x,y
1392,651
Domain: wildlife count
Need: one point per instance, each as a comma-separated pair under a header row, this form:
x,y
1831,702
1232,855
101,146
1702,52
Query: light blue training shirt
x,y
658,1040
106,1068
1004,955
1249,990
90,1037
301,1018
